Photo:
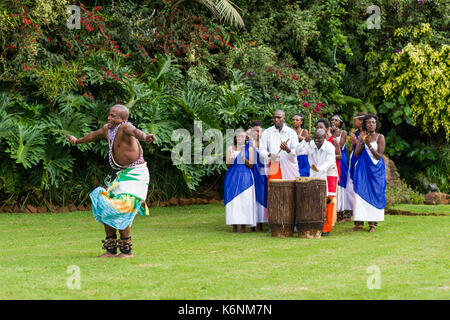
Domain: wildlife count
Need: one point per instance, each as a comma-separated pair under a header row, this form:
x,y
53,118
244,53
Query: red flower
x,y
294,77
11,46
96,8
306,104
319,106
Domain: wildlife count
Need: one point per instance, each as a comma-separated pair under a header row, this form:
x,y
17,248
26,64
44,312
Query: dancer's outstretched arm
x,y
138,134
91,136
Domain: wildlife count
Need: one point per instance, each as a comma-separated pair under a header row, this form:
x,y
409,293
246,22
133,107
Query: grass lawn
x,y
189,253
424,208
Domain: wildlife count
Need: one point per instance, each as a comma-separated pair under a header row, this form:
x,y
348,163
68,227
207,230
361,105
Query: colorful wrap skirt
x,y
118,205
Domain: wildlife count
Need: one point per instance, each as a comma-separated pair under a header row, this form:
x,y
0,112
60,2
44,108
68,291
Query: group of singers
x,y
355,184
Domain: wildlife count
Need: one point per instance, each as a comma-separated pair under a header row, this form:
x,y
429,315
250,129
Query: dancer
x,y
340,135
298,122
349,191
239,195
369,175
117,206
260,177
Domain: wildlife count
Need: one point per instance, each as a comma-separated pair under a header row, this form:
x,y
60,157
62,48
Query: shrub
x,y
399,192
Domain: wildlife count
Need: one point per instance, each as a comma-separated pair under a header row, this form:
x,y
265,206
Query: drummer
x,y
322,160
277,145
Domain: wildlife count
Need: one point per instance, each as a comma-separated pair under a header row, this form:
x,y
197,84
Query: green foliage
x,y
26,144
173,63
419,77
435,166
399,192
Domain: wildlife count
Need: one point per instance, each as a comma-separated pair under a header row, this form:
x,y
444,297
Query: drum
x,y
311,206
280,207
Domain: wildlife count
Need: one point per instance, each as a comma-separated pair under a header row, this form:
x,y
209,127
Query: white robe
x,y
362,210
324,159
270,142
242,210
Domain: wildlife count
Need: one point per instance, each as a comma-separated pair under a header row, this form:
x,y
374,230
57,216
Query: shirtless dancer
x,y
117,206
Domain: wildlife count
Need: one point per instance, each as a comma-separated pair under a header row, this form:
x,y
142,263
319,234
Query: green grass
x,y
189,253
424,208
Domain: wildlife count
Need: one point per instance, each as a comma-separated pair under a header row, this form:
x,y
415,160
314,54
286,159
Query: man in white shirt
x,y
322,160
278,145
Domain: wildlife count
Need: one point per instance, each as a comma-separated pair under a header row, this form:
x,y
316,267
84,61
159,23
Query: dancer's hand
x,y
285,147
366,139
150,138
314,168
363,138
274,157
71,139
353,138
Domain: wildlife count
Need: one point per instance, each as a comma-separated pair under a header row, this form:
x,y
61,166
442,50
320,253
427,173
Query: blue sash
x,y
370,180
344,168
238,177
303,165
260,181
353,159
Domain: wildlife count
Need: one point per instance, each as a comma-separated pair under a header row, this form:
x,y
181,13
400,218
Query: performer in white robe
x,y
322,159
278,145
340,135
349,201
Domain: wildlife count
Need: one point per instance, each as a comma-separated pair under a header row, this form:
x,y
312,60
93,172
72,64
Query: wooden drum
x,y
311,206
281,207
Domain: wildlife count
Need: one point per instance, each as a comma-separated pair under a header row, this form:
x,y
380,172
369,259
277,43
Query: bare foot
x,y
371,230
124,255
242,230
355,229
107,255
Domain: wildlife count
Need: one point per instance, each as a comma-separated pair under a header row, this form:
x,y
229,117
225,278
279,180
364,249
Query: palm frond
x,y
224,10
6,119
